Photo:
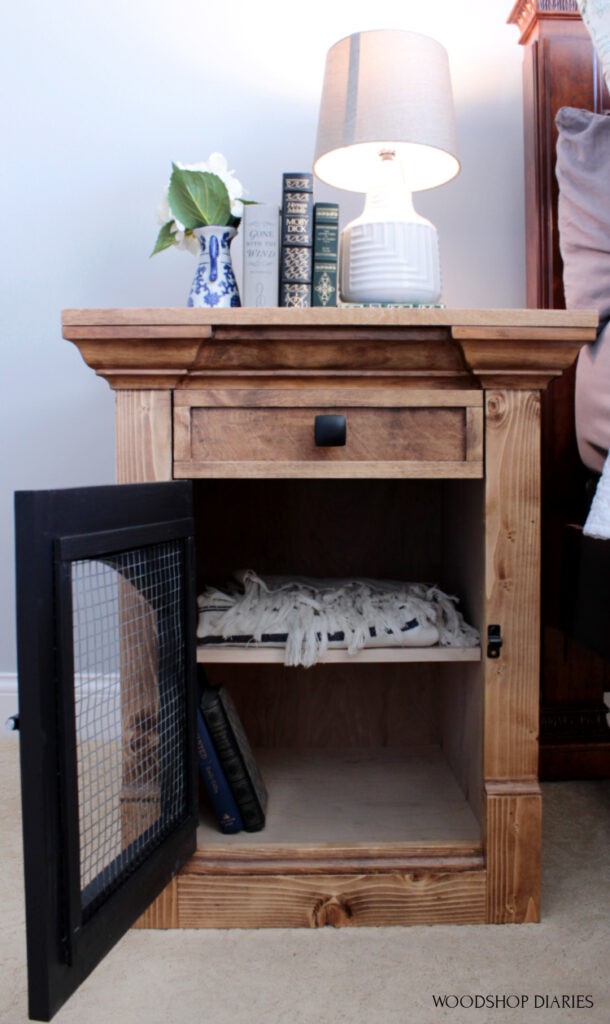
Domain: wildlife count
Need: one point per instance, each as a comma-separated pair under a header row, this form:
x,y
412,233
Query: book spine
x,y
260,229
252,814
215,782
325,254
296,261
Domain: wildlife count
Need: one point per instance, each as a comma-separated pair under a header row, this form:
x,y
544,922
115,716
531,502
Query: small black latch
x,y
494,641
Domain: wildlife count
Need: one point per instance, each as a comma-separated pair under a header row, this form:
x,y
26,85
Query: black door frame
x,y
53,528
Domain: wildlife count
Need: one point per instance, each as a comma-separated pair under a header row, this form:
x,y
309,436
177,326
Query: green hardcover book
x,y
324,285
325,254
235,755
326,231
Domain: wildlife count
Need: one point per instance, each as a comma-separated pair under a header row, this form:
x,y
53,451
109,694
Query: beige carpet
x,y
378,976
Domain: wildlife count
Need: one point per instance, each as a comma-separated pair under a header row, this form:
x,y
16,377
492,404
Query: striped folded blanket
x,y
308,616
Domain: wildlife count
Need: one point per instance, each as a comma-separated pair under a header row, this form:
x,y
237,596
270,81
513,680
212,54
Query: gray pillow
x,y
583,174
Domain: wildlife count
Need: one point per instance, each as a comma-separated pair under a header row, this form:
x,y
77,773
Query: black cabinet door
x,y
107,700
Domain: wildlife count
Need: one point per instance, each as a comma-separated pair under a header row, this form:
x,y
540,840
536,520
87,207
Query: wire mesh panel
x,y
107,702
129,664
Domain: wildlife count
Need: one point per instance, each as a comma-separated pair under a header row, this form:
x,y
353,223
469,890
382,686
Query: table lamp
x,y
386,127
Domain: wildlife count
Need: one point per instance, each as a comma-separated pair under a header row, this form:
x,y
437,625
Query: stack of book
x,y
290,254
228,769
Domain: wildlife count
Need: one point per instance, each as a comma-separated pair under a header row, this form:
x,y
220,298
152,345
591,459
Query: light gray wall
x,y
99,98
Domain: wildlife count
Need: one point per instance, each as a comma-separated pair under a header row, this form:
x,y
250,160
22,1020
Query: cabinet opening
x,y
355,755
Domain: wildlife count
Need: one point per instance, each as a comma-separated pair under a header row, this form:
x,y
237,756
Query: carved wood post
x,y
512,578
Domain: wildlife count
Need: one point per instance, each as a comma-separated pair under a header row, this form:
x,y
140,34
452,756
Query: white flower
x,y
181,240
163,211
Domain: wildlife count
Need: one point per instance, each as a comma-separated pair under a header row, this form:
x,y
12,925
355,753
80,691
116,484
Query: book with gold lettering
x,y
296,261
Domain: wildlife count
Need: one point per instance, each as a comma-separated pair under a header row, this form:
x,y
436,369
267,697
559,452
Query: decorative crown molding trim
x,y
525,13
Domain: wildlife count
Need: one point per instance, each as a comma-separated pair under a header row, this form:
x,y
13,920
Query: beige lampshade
x,y
386,89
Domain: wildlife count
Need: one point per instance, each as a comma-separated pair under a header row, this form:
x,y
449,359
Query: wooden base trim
x,y
265,859
311,901
513,853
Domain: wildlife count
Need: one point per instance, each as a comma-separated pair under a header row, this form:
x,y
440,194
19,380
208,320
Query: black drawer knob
x,y
330,431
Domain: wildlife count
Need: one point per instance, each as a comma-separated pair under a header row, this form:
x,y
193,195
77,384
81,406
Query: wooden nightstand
x,y
403,784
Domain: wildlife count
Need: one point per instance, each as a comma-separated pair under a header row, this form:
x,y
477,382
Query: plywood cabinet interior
x,y
402,783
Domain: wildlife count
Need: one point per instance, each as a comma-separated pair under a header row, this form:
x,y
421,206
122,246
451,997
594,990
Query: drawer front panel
x,y
244,435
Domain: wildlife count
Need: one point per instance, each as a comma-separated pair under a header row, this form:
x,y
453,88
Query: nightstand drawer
x,y
272,432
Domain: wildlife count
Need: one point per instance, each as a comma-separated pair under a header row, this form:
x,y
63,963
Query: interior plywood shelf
x,y
215,654
355,800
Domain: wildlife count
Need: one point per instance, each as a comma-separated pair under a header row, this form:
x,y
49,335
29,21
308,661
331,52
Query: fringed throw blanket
x,y
311,615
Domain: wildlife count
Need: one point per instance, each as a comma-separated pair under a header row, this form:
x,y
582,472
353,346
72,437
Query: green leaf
x,y
165,238
198,198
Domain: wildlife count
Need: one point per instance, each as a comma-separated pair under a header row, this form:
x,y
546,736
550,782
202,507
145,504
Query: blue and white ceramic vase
x,y
214,284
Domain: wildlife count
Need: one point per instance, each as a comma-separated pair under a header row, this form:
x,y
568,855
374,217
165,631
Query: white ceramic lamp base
x,y
394,261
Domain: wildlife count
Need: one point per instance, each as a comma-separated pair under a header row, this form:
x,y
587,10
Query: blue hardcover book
x,y
215,782
235,755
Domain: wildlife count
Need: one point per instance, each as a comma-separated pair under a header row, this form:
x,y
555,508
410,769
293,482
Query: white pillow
x,y
596,16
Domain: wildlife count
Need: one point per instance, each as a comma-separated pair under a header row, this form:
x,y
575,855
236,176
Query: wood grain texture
x,y
143,436
265,654
323,528
462,731
287,435
331,469
163,912
380,396
154,349
560,68
334,707
319,318
354,797
513,852
422,858
286,901
527,13
330,858
512,581
525,362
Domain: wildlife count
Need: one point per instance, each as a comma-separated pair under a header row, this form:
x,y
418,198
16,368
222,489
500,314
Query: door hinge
x,y
494,641
65,947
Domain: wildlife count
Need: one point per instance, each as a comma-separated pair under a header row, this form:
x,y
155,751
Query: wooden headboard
x,y
560,68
